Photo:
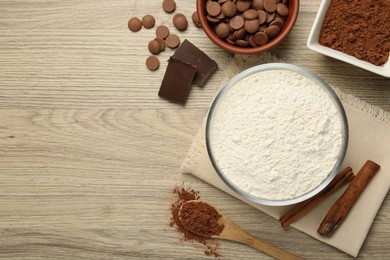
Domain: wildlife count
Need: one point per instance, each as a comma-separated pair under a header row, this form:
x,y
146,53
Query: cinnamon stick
x,y
301,209
342,206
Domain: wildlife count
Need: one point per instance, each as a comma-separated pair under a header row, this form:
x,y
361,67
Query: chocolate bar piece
x,y
177,81
189,53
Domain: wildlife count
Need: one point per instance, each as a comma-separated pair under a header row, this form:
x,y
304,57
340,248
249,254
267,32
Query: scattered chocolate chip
x,y
195,19
162,32
180,22
177,80
154,47
173,41
134,24
189,53
169,6
161,42
152,63
148,21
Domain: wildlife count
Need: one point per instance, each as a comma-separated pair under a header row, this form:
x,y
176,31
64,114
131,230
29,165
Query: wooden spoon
x,y
234,233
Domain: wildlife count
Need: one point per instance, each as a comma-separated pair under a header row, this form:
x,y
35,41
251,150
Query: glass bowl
x,y
344,133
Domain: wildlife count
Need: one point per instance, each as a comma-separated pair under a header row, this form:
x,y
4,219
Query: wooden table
x,y
89,153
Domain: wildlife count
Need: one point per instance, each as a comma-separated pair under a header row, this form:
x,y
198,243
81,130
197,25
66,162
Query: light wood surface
x,y
89,153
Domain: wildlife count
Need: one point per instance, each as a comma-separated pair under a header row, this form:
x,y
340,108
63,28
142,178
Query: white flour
x,y
276,134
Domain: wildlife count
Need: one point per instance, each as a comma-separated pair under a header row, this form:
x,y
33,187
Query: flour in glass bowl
x,y
276,134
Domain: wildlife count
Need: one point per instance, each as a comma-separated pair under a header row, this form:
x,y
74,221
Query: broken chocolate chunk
x,y
189,53
177,81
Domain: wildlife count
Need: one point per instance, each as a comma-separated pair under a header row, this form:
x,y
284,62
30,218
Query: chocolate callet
x,y
182,195
177,80
189,53
201,218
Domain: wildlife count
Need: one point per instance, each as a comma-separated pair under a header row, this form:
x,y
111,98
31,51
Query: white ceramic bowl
x,y
313,44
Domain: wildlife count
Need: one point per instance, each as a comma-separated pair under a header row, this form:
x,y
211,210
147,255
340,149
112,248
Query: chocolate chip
x,y
213,8
282,9
260,38
229,9
162,32
258,4
237,22
134,24
242,43
230,41
154,47
222,30
270,5
241,34
250,14
251,26
152,63
148,21
180,22
173,41
270,17
262,16
278,22
212,19
161,42
272,31
262,28
243,5
169,6
251,41
195,19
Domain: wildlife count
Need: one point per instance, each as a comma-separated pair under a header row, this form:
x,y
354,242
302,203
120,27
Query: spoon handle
x,y
270,249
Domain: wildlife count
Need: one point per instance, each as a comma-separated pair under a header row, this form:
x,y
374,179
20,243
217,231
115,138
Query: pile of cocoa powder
x,y
181,195
360,28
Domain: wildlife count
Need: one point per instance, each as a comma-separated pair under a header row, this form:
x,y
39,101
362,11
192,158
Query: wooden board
x,y
89,153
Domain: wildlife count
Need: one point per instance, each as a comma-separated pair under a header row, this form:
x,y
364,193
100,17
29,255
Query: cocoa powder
x,y
359,28
201,218
181,195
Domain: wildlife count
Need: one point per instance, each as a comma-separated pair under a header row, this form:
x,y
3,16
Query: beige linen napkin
x,y
369,139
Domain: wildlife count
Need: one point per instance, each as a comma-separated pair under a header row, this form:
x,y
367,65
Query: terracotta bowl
x,y
289,24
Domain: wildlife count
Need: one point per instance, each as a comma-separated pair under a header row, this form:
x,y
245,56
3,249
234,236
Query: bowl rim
x,y
292,18
325,86
313,44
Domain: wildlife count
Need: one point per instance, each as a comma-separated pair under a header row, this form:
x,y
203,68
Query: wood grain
x,y
89,153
